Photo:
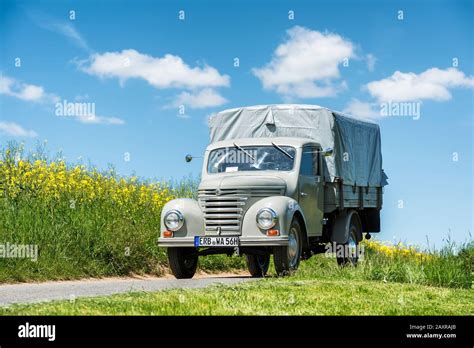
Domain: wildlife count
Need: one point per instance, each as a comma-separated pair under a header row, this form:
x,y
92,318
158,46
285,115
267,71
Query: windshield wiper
x,y
279,148
246,152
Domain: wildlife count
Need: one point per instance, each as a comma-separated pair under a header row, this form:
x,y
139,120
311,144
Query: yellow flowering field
x,y
397,250
81,222
53,181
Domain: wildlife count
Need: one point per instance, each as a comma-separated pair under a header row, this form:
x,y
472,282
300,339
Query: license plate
x,y
216,241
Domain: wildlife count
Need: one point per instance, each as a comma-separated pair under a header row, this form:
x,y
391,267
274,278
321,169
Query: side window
x,y
309,162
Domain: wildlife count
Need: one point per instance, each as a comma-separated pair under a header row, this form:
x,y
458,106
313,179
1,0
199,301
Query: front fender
x,y
193,217
285,207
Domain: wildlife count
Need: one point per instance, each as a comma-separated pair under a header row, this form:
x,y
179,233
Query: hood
x,y
243,181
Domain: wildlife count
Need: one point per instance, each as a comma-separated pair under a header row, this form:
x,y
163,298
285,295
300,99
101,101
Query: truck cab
x,y
257,197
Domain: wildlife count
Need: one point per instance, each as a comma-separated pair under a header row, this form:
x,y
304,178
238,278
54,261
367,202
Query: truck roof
x,y
276,106
281,141
312,107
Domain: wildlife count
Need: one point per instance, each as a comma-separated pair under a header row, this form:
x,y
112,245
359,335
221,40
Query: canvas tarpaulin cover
x,y
357,158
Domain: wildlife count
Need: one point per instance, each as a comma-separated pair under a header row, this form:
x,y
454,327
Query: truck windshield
x,y
251,158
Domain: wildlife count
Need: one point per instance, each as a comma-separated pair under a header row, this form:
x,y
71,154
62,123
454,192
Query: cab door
x,y
311,190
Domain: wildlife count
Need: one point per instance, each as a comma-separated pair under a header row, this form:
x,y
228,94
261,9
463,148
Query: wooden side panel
x,y
353,197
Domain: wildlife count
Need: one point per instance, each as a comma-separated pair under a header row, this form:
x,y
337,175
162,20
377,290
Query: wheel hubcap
x,y
293,249
352,243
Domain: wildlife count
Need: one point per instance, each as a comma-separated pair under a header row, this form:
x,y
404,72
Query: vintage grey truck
x,y
282,180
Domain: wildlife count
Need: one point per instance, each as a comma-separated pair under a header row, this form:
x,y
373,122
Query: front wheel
x,y
258,265
183,262
287,258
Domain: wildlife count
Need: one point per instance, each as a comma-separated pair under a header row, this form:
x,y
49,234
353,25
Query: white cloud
x,y
64,28
306,64
205,98
361,109
432,84
24,91
370,59
32,93
93,119
15,129
168,71
68,30
80,98
184,116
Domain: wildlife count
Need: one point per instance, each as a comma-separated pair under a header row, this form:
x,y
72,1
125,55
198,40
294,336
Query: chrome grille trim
x,y
224,208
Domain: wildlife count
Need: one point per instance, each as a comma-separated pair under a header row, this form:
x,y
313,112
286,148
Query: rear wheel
x,y
287,258
347,252
258,265
183,262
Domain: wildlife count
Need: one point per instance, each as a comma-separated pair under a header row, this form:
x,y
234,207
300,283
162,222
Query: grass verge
x,y
306,293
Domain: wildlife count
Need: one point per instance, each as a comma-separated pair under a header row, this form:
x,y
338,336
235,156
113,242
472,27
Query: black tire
x,y
346,253
258,265
287,258
183,262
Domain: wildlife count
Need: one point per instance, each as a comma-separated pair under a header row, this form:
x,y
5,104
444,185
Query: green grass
x,y
450,266
312,291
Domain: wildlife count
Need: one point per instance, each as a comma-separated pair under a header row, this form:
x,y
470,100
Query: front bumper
x,y
244,242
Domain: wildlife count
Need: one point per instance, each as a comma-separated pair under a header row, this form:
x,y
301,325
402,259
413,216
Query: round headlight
x,y
173,220
266,218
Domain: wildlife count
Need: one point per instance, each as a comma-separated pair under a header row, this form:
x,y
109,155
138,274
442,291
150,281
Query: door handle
x,y
303,194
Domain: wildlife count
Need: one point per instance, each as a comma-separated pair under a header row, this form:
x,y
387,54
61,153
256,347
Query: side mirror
x,y
188,158
328,151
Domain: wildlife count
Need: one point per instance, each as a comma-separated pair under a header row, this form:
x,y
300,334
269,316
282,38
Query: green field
x,y
312,291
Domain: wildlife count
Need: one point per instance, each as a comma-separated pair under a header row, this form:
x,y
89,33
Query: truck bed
x,y
358,197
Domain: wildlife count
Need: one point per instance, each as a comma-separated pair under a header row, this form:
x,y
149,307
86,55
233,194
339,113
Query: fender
x,y
193,217
285,207
340,229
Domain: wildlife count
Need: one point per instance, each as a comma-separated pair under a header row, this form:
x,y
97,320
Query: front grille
x,y
224,208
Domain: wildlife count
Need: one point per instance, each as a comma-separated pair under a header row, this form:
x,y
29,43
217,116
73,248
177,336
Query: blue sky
x,y
138,62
